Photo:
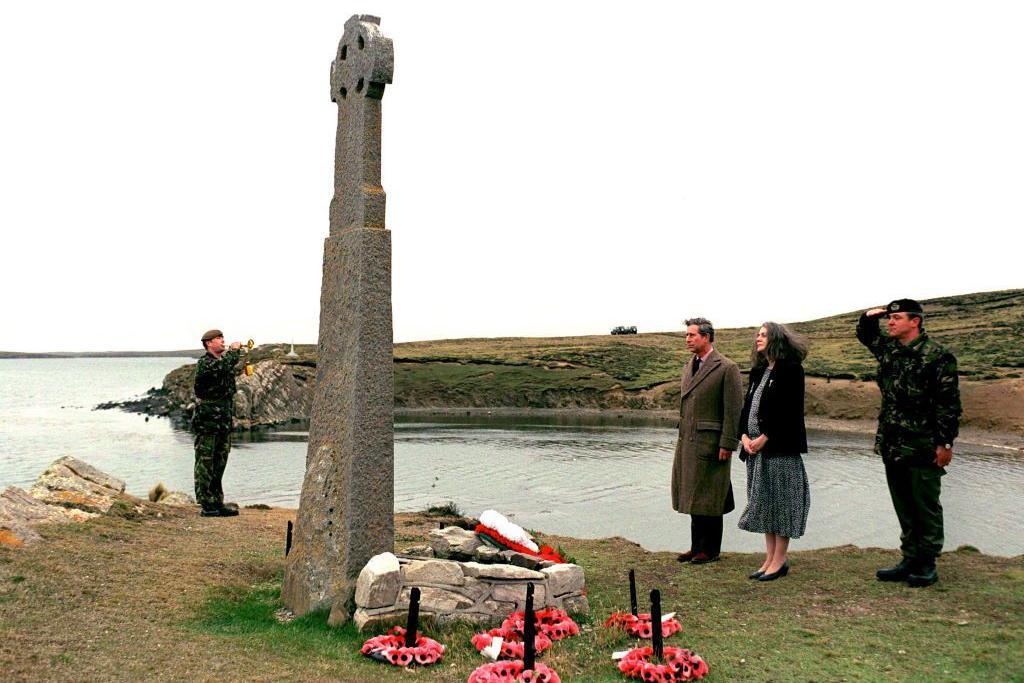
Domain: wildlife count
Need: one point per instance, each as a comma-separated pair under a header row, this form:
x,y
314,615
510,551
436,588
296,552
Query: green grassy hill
x,y
642,371
985,331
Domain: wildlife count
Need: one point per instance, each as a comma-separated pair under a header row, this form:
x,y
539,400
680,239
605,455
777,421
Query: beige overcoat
x,y
709,411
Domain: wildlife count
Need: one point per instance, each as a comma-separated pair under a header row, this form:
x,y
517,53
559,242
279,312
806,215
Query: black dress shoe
x,y
783,570
900,572
703,558
756,575
687,556
923,575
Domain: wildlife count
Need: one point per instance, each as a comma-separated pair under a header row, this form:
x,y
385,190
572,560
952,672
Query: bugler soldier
x,y
212,422
917,424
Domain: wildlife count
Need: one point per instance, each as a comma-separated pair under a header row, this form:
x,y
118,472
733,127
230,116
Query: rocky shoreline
x,y
70,490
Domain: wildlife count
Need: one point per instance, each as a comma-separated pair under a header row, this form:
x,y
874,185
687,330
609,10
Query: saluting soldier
x,y
919,419
212,422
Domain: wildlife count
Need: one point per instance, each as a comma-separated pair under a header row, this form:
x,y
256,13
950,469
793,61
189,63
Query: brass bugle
x,y
249,369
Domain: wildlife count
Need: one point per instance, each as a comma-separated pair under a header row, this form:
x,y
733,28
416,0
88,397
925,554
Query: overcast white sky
x,y
551,168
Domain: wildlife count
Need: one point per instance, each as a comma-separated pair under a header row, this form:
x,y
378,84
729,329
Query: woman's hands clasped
x,y
753,446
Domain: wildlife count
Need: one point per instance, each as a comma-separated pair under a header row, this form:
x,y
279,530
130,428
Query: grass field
x,y
181,597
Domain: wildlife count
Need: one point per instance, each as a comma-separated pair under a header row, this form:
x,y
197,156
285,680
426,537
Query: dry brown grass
x,y
125,599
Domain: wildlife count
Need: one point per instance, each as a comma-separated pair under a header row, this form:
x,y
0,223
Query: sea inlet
x,y
575,476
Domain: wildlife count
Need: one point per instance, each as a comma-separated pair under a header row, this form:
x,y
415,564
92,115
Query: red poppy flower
x,y
555,623
512,671
677,664
512,645
639,625
391,648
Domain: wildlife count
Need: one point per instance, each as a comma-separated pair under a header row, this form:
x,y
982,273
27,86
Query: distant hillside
x,y
190,353
984,330
638,371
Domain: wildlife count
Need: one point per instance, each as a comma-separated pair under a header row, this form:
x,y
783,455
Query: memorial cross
x,y
346,509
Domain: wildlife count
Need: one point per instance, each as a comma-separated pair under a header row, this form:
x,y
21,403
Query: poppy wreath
x,y
512,644
544,552
639,625
498,530
510,671
390,648
554,623
677,665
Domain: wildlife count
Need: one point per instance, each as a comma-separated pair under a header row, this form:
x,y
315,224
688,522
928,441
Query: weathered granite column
x,y
346,512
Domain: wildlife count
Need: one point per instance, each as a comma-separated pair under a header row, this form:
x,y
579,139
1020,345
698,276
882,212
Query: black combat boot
x,y
900,572
924,574
218,512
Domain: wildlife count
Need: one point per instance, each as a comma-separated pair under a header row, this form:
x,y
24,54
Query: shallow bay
x,y
571,476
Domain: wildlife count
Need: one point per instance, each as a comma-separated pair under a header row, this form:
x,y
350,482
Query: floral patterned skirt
x,y
778,496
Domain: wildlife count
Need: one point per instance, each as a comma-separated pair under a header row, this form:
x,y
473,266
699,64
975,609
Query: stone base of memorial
x,y
451,590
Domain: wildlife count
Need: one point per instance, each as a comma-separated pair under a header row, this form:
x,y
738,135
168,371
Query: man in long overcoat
x,y
709,411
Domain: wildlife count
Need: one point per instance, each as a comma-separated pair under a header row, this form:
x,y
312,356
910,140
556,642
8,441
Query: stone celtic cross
x,y
346,510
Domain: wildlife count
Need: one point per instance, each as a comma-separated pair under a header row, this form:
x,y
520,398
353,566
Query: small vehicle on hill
x,y
622,329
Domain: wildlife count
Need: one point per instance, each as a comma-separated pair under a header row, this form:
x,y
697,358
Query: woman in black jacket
x,y
773,437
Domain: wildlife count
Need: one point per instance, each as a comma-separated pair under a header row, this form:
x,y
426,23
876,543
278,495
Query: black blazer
x,y
781,412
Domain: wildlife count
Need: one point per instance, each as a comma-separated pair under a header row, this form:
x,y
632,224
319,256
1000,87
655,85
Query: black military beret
x,y
211,334
904,306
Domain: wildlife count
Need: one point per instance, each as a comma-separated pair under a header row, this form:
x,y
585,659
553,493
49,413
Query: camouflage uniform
x,y
920,410
212,423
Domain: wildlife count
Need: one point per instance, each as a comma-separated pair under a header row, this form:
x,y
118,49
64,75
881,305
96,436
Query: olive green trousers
x,y
211,459
915,497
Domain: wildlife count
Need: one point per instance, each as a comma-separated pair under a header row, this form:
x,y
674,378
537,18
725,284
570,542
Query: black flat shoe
x,y
756,575
783,570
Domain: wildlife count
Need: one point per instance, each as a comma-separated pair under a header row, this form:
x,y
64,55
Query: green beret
x,y
211,334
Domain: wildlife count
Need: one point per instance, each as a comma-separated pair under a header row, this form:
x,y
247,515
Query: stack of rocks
x,y
481,592
456,543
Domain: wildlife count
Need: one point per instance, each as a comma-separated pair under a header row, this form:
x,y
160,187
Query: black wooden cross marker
x,y
632,592
529,631
288,539
659,645
414,617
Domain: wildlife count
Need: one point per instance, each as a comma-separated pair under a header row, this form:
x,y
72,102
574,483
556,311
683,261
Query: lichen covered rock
x,y
71,483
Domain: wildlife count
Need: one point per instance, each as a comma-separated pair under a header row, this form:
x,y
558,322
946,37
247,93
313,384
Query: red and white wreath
x,y
511,672
677,665
390,648
495,528
503,643
639,625
554,623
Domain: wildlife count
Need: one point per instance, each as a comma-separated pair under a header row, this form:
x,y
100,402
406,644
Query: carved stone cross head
x,y
365,62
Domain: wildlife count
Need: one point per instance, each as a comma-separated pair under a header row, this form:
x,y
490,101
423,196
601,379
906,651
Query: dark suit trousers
x,y
706,534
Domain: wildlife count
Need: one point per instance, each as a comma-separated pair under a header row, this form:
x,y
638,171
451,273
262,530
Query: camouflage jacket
x,y
215,389
920,395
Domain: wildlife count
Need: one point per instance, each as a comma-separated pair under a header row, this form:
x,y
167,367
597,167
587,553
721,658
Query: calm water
x,y
586,480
